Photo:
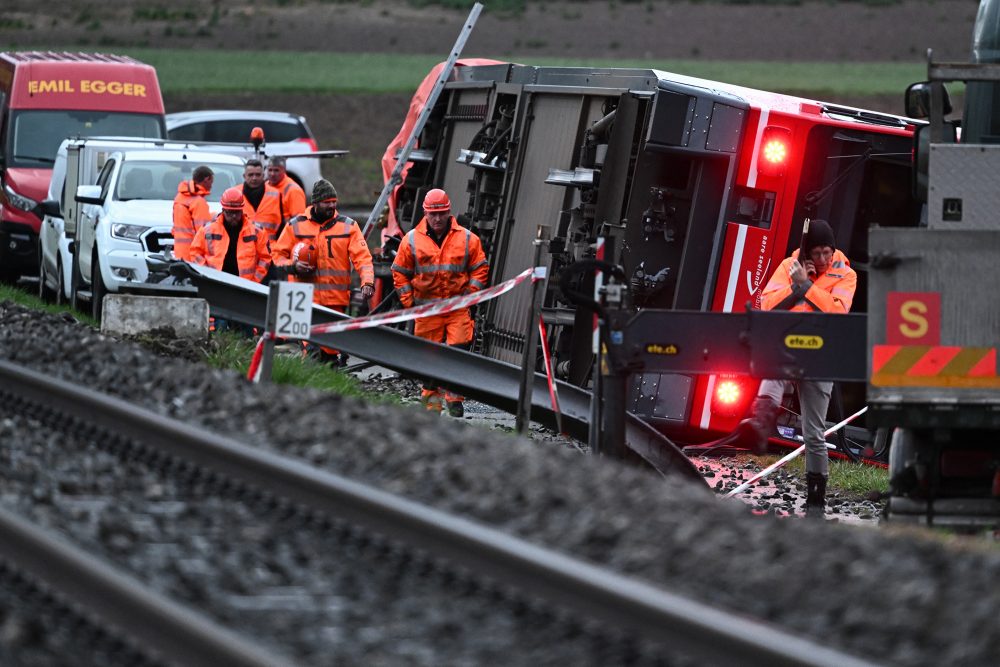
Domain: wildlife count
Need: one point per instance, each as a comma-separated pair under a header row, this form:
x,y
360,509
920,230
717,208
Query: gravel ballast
x,y
902,599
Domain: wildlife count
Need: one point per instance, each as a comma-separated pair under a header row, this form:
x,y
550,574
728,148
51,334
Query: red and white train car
x,y
699,187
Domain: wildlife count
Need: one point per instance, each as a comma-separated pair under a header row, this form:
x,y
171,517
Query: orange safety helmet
x,y
305,252
232,199
436,201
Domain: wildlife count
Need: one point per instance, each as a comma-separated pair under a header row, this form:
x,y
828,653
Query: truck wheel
x,y
45,292
60,298
97,290
903,465
75,282
881,444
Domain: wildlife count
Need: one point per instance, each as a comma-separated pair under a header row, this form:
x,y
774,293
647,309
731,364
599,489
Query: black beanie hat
x,y
819,234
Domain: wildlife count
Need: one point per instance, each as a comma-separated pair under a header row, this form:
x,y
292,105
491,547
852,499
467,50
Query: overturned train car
x,y
700,187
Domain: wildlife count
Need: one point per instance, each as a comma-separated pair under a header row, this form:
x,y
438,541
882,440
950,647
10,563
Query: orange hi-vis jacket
x,y
300,228
293,198
267,216
339,244
190,214
831,292
252,254
424,272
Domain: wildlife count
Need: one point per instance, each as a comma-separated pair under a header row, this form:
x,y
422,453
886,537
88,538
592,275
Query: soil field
x,y
655,29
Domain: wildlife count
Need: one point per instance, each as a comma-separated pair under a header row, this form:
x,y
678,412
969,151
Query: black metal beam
x,y
762,344
486,380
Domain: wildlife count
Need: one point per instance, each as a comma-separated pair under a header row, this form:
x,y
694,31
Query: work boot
x,y
431,399
456,409
342,359
764,419
752,433
815,495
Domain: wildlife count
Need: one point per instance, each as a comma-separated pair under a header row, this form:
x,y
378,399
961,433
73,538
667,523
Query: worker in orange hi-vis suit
x,y
231,243
321,247
439,259
293,197
816,278
262,203
191,209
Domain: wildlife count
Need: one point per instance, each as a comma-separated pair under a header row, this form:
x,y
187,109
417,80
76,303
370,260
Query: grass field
x,y
345,73
233,352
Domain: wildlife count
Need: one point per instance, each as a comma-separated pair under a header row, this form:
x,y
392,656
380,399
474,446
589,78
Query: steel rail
x,y
174,633
489,381
623,604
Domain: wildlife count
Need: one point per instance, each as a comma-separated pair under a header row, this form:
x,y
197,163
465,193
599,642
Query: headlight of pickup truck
x,y
128,232
19,201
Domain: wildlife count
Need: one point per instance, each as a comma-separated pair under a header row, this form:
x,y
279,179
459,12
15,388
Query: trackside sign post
x,y
294,309
289,315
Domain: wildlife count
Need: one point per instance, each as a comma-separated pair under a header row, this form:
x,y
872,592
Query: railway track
x,y
535,592
864,592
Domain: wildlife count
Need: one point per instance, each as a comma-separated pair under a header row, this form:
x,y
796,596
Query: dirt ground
x,y
364,124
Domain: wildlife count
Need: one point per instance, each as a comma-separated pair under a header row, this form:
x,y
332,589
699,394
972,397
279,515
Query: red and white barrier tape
x,y
253,373
550,375
426,310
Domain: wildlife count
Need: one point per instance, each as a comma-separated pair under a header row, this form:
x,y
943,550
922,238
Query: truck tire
x,y
60,298
45,292
903,466
75,282
97,290
881,444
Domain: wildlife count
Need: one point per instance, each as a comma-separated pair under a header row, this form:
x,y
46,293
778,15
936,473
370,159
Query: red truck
x,y
46,97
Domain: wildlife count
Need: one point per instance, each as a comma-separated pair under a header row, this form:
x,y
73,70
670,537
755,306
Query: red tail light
x,y
728,398
311,143
775,150
728,392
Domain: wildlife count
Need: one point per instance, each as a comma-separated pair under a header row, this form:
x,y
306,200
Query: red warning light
x,y
775,149
727,401
728,392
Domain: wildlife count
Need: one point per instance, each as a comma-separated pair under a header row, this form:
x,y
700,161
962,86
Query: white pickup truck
x,y
117,210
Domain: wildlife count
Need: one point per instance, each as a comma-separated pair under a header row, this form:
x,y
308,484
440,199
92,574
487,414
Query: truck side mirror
x,y
917,101
89,194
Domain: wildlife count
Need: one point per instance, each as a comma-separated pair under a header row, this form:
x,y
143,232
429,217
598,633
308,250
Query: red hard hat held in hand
x,y
436,201
232,199
304,252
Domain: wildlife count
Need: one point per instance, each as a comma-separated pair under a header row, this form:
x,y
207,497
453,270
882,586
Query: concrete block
x,y
130,314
